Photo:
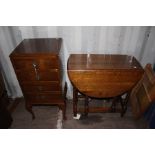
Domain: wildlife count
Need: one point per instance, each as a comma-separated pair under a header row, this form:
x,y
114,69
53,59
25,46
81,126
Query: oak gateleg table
x,y
103,76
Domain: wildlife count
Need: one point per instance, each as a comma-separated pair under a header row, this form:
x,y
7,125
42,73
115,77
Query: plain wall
x,y
132,40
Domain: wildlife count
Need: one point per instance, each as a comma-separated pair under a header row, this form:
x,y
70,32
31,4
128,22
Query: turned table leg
x,y
124,103
86,109
113,106
75,99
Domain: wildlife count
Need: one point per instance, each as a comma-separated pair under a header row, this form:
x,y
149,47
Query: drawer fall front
x,y
39,79
41,86
38,75
28,63
44,98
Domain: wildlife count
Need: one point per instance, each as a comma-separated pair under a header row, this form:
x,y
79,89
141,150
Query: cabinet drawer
x,y
41,86
24,63
42,64
50,63
26,75
43,97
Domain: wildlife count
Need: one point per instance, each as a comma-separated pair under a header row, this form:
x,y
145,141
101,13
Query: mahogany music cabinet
x,y
37,65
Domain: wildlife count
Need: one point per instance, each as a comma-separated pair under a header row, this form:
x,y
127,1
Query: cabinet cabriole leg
x,y
29,109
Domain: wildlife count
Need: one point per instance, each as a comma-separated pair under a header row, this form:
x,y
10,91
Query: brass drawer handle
x,y
35,69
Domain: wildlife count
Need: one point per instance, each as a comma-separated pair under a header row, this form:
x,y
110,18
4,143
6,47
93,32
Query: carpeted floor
x,y
102,120
47,118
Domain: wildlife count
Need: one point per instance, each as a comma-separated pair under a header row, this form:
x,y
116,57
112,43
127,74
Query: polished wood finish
x,y
102,76
39,46
38,68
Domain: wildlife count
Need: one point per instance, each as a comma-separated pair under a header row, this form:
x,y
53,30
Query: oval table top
x,y
103,75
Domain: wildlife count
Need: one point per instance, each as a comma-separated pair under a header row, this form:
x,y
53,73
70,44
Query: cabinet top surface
x,y
38,45
102,61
